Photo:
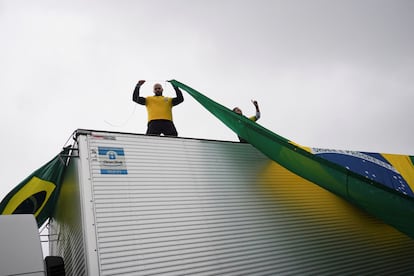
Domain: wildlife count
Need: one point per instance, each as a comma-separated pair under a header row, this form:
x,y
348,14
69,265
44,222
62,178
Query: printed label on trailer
x,y
112,160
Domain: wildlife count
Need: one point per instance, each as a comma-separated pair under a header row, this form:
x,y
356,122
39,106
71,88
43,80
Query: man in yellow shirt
x,y
253,118
159,109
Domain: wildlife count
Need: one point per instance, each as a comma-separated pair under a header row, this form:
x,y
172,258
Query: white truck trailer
x,y
132,204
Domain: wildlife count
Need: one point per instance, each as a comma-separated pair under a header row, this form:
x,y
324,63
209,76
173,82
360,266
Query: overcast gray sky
x,y
326,73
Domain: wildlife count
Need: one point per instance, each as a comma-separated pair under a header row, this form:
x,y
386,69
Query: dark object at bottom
x,y
55,266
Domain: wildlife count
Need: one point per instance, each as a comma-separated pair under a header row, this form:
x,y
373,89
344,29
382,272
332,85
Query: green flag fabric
x,y
37,194
387,194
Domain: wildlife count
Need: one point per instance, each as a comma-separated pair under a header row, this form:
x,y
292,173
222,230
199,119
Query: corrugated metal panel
x,y
66,228
197,207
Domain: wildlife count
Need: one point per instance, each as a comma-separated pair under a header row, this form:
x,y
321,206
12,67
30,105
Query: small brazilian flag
x,y
37,194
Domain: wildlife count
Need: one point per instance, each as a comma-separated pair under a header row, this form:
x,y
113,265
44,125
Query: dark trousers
x,y
158,127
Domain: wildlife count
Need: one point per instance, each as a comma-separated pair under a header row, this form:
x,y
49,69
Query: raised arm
x,y
135,97
179,99
256,105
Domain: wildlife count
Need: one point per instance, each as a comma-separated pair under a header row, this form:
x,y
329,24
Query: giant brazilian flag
x,y
380,184
37,194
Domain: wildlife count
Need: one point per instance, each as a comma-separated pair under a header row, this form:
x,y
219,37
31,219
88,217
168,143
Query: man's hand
x,y
141,82
255,103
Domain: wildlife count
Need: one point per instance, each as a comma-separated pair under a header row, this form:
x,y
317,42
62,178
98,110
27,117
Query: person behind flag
x,y
159,109
253,118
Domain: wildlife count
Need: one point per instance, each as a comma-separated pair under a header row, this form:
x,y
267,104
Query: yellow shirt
x,y
159,108
253,118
